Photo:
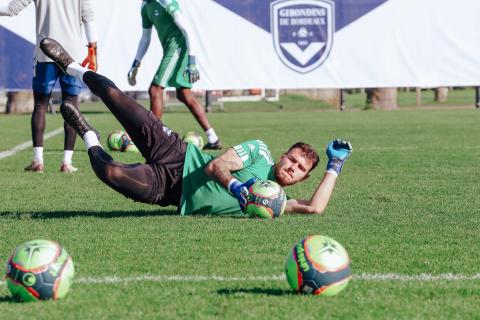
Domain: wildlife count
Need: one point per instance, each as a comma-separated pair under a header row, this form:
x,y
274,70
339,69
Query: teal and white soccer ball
x,y
39,270
194,138
266,199
318,265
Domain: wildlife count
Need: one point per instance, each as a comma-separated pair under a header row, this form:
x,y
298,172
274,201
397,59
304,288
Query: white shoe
x,y
35,167
67,168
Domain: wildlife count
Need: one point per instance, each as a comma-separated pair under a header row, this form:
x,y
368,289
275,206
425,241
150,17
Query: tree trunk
x,y
441,94
384,98
330,96
19,102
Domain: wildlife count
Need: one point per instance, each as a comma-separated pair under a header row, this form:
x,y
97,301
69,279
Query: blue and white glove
x,y
240,191
337,152
192,72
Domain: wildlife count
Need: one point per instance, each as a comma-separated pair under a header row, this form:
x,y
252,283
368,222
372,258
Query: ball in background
x,y
318,265
194,138
127,144
114,140
266,199
39,270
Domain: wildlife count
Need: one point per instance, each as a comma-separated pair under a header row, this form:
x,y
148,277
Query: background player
x,y
60,20
178,66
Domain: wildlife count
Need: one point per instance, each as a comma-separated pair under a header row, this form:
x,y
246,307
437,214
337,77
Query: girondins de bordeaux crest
x,y
302,32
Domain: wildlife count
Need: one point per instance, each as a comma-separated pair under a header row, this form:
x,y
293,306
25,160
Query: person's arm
x,y
184,26
142,49
337,152
220,169
88,21
182,23
143,45
319,200
14,7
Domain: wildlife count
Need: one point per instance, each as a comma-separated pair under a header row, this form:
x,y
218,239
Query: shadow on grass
x,y
256,291
7,299
98,214
120,214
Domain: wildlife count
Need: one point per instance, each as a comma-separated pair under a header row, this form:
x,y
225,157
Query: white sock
x,y
211,136
74,69
38,154
67,156
91,139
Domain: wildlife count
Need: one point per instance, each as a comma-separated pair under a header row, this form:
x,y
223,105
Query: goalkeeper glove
x,y
240,191
132,73
192,72
91,60
337,152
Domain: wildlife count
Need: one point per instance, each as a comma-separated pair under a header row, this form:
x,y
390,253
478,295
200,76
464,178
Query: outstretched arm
x,y
319,200
14,7
337,152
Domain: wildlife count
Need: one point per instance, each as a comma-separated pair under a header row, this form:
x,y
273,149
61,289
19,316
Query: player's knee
x,y
99,84
185,97
40,107
155,92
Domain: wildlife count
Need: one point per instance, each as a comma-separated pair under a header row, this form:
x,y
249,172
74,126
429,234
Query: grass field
x,y
406,207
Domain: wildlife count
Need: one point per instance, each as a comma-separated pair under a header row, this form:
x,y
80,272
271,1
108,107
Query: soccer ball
x,y
318,265
39,270
114,140
127,144
266,199
193,138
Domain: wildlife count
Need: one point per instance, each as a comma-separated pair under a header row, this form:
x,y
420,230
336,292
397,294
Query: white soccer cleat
x,y
35,166
67,168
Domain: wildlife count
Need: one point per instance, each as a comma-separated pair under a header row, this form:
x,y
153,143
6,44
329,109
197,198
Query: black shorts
x,y
164,151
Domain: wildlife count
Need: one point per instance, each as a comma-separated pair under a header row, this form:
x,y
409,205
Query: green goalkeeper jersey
x,y
160,13
202,195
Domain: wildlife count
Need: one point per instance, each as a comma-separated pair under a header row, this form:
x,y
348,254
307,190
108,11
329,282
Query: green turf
x,y
406,203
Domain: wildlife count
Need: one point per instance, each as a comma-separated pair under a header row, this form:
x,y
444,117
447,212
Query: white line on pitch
x,y
281,277
28,144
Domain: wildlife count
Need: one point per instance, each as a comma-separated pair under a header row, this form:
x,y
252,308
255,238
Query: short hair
x,y
308,152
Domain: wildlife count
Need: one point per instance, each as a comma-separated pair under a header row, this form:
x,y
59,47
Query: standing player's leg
x,y
171,73
37,123
186,97
156,100
71,87
44,78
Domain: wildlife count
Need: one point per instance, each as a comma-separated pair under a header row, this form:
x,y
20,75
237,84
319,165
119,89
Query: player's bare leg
x,y
156,100
186,96
69,141
38,128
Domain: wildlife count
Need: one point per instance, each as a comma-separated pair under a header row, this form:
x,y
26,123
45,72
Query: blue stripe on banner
x,y
258,12
16,59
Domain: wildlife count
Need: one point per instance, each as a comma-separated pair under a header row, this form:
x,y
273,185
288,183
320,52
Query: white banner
x,y
290,43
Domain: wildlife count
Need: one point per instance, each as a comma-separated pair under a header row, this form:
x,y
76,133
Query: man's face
x,y
292,168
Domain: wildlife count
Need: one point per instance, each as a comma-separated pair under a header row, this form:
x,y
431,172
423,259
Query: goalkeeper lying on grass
x,y
179,174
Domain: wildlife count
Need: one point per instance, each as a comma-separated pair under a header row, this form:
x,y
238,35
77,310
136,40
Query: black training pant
x,y
159,179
